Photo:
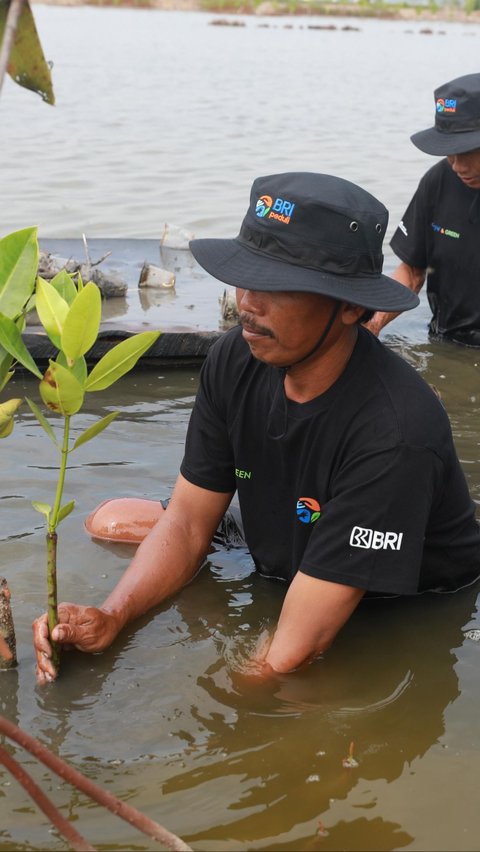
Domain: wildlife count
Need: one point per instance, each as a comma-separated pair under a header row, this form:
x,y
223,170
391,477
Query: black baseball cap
x,y
312,233
457,119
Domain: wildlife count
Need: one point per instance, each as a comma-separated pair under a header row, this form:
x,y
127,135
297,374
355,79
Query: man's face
x,y
467,167
281,328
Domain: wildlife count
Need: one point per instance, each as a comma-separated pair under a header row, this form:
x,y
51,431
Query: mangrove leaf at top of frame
x,y
27,65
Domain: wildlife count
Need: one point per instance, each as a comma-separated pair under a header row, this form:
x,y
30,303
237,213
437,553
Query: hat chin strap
x,y
320,341
283,372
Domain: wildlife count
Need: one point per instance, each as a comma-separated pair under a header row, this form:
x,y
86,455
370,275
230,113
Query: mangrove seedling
x,y
18,272
70,313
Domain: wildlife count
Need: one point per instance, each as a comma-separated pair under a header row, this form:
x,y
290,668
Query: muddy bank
x,y
276,7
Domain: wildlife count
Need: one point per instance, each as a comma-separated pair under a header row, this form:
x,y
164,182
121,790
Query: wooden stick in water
x,y
102,797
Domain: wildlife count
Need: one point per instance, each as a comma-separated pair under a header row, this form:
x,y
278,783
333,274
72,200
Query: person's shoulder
x,y
396,374
436,175
416,403
439,168
228,355
229,342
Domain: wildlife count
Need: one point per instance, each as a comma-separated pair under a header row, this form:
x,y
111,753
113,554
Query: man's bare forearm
x,y
410,276
312,614
170,556
162,565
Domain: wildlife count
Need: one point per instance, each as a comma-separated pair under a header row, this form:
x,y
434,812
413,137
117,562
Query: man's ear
x,y
351,313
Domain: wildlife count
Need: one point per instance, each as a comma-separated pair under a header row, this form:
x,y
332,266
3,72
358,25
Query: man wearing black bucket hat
x,y
341,455
438,237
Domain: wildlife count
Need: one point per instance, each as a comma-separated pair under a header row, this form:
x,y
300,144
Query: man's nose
x,y
456,161
249,300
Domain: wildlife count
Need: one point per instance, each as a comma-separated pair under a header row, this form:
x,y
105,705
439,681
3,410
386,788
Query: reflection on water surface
x,y
165,718
186,117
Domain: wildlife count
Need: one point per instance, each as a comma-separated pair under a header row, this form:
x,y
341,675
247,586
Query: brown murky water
x,y
164,720
169,121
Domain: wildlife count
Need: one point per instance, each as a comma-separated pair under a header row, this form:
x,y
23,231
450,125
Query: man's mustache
x,y
246,319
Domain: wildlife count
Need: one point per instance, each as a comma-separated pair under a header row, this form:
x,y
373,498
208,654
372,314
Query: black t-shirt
x,y
361,485
440,232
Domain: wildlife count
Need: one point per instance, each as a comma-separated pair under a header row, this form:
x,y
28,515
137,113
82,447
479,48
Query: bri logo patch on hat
x,y
263,206
446,104
279,209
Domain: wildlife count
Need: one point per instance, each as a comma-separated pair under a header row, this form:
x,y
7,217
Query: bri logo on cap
x,y
446,105
279,209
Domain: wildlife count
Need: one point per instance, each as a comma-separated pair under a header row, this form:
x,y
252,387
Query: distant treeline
x,y
456,9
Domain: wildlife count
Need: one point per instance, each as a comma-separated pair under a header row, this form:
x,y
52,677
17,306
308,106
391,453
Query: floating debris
x,y
321,830
350,762
174,237
156,277
175,251
110,284
474,635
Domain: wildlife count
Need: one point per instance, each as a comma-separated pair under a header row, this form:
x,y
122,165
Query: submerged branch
x,y
102,797
66,829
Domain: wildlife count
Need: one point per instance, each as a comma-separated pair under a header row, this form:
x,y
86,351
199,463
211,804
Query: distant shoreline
x,y
297,8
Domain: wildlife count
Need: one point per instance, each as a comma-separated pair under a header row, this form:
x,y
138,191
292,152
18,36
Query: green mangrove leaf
x,y
18,270
7,410
20,322
52,310
6,362
4,379
11,340
30,304
61,391
64,285
79,369
27,64
65,510
43,508
79,282
7,429
43,421
120,360
82,323
94,430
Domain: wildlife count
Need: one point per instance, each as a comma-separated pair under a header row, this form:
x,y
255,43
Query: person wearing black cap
x,y
342,457
437,239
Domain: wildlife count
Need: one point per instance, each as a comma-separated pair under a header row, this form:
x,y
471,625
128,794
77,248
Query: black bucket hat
x,y
457,119
310,233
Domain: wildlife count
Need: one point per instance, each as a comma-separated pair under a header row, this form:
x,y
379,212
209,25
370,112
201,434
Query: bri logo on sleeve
x,y
375,540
